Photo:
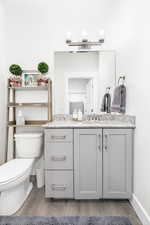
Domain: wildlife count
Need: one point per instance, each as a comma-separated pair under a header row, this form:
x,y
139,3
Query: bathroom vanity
x,y
89,160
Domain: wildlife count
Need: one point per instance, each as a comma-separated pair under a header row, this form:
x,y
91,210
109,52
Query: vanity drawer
x,y
59,184
59,156
59,135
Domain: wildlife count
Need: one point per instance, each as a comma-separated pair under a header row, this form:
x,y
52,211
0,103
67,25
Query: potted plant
x,y
15,70
15,79
43,68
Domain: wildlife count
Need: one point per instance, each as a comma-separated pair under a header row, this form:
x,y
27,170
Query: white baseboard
x,y
140,211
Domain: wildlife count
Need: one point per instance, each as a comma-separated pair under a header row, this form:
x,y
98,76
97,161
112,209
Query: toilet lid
x,y
13,169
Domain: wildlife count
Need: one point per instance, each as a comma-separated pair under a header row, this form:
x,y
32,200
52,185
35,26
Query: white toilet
x,y
14,175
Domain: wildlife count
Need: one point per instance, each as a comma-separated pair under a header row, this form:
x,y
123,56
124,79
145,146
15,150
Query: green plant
x,y
43,67
15,69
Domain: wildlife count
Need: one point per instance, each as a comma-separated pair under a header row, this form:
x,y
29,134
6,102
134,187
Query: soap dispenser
x,y
75,115
20,119
80,115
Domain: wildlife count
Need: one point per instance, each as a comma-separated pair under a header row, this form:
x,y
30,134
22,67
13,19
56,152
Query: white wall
x,y
132,35
2,83
35,28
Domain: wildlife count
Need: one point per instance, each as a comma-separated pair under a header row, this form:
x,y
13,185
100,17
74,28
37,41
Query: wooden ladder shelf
x,y
12,104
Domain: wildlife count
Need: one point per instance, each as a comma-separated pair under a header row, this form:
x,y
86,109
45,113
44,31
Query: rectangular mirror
x,y
80,80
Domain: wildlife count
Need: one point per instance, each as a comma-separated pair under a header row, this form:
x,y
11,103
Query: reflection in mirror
x,y
80,80
80,95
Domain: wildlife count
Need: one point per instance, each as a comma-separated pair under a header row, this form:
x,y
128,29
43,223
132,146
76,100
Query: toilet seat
x,y
14,169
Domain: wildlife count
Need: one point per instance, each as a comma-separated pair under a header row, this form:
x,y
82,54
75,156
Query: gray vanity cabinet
x,y
88,163
117,163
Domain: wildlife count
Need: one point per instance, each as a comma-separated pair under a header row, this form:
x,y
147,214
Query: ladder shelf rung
x,y
33,104
29,88
29,123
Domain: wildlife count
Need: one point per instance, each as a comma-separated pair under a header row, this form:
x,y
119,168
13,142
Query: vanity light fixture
x,y
85,43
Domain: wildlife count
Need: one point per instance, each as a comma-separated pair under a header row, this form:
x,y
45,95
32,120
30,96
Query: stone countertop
x,y
90,124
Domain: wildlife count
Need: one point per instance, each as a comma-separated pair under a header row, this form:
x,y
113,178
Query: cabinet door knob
x,y
99,146
106,142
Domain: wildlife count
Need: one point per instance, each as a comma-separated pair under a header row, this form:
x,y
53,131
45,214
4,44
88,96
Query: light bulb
x,y
101,34
68,37
84,36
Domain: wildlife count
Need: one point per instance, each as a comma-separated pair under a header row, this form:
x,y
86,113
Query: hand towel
x,y
106,103
119,99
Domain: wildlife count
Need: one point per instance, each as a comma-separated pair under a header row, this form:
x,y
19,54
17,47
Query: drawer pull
x,y
58,137
61,187
58,158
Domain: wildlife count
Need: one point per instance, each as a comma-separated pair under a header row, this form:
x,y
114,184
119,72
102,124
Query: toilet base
x,y
12,199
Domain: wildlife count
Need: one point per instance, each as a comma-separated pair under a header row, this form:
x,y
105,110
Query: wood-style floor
x,y
37,205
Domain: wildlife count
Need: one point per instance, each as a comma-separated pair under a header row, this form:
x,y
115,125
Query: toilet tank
x,y
29,145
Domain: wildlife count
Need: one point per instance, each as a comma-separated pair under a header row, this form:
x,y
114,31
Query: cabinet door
x,y
117,163
88,163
